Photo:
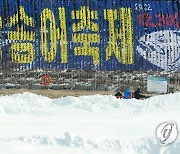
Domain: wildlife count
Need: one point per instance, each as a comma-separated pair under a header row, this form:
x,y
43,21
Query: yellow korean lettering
x,y
111,16
21,34
125,34
18,49
86,49
22,15
62,35
1,22
130,36
85,16
49,56
22,53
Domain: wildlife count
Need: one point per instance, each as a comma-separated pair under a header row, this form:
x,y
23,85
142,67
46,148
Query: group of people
x,y
128,94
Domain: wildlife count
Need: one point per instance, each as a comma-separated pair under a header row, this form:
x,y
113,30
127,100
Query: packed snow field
x,y
98,124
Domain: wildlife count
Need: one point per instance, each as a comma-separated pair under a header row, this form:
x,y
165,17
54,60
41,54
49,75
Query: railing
x,y
83,80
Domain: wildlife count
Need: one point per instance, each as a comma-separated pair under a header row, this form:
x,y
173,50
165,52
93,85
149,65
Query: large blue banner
x,y
93,34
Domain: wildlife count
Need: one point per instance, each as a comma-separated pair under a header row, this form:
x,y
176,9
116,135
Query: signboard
x,y
157,84
95,34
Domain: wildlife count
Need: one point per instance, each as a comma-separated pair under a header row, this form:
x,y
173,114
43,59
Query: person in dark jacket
x,y
118,94
138,95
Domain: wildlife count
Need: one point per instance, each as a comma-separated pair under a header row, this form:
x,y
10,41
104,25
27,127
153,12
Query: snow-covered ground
x,y
33,124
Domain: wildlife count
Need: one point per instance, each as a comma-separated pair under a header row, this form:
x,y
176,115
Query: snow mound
x,y
96,124
30,103
144,145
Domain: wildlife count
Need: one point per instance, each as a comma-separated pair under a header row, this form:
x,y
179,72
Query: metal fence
x,y
83,80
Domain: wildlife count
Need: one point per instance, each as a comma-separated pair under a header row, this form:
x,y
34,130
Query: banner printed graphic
x,y
102,35
164,46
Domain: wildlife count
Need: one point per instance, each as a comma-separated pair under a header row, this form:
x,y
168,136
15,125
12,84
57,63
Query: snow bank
x,y
96,145
24,103
31,123
31,103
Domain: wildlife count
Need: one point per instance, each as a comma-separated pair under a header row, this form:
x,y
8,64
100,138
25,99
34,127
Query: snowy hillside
x,y
96,124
